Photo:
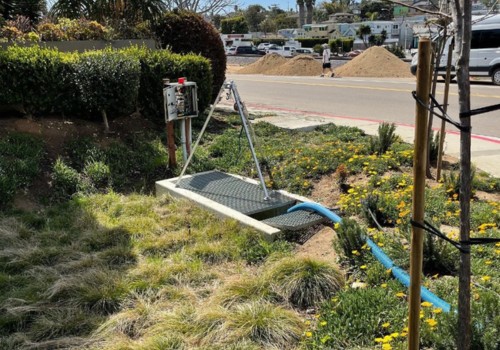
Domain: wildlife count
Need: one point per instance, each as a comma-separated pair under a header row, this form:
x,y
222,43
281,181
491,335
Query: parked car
x,y
264,46
248,50
230,51
305,51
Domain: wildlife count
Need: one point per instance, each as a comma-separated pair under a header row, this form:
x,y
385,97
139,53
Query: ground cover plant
x,y
108,268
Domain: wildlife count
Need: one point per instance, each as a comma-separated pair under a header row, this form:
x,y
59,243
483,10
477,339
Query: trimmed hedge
x,y
188,32
31,77
158,65
108,80
43,80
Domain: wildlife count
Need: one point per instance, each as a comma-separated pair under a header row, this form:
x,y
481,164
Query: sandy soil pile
x,y
375,62
266,63
274,64
301,65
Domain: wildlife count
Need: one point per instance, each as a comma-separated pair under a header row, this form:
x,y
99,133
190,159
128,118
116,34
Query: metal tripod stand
x,y
230,89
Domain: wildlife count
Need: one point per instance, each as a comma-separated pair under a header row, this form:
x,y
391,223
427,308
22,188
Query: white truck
x,y
287,50
484,53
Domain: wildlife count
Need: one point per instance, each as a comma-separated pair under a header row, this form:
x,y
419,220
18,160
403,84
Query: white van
x,y
484,53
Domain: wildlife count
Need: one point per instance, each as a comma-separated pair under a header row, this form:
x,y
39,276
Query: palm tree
x,y
310,9
71,8
300,4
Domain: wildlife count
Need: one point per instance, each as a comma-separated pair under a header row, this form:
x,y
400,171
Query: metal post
x,y
244,121
199,137
419,165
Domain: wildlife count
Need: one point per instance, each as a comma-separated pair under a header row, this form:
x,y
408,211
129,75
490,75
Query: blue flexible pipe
x,y
396,271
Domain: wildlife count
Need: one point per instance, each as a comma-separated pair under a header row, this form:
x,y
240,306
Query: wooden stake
x,y
442,134
172,161
419,166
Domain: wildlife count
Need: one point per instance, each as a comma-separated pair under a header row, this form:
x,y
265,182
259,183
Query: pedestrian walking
x,y
326,61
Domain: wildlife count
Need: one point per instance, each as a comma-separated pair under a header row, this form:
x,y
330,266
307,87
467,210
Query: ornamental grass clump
x,y
305,282
263,323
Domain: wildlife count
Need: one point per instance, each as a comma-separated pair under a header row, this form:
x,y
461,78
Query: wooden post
x,y
419,167
442,133
172,161
188,136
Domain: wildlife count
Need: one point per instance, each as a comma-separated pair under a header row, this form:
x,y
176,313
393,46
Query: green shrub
x,y
160,64
188,32
31,77
386,137
108,81
98,173
396,50
350,240
305,282
65,179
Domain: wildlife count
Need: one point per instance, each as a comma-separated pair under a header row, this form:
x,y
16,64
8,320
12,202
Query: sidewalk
x,y
485,151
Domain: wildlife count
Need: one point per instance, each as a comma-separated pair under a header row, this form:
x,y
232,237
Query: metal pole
x,y
419,165
244,121
199,137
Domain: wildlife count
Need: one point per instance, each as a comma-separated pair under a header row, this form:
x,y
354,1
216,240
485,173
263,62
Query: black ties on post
x,y
482,110
463,246
444,116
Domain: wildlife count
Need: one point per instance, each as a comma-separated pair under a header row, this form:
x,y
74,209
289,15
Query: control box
x,y
180,100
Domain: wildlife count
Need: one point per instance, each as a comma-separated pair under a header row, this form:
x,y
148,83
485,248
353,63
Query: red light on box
x,y
181,80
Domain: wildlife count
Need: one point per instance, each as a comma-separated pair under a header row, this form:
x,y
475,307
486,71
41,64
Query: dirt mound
x,y
267,62
300,65
274,64
375,62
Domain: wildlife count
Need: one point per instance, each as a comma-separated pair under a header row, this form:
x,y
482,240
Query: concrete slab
x,y
168,186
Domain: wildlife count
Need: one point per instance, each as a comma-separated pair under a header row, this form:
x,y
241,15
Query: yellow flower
x,y
485,278
386,346
383,285
400,295
380,244
363,267
323,323
309,334
426,304
386,325
437,310
431,322
379,340
488,262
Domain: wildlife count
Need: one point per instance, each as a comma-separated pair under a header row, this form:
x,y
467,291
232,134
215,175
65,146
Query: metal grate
x,y
295,220
237,194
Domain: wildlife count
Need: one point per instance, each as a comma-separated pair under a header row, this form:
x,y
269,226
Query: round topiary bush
x,y
185,32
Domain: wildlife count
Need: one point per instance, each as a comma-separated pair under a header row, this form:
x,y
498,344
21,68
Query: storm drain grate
x,y
295,220
235,193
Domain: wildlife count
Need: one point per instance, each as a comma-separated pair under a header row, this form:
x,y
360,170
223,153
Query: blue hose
x,y
396,271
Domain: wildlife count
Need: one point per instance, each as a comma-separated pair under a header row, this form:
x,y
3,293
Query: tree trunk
x,y
105,120
301,13
310,9
462,19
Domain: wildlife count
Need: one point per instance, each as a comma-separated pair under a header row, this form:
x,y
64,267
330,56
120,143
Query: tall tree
x,y
254,15
202,6
364,32
310,10
300,4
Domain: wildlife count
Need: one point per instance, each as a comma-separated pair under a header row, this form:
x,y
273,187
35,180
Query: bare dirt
x,y
374,62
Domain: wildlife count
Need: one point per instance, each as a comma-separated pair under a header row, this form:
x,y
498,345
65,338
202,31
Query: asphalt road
x,y
367,98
